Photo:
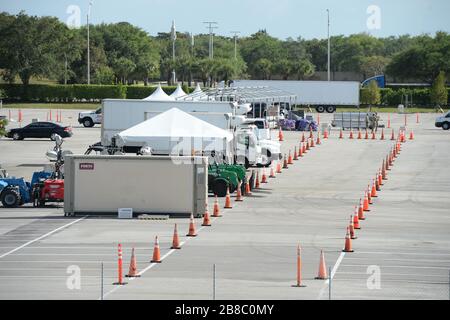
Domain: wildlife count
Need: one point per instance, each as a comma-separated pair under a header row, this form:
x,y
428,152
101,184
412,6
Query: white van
x,y
443,122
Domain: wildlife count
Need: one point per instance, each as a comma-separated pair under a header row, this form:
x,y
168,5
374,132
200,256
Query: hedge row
x,y
394,97
76,93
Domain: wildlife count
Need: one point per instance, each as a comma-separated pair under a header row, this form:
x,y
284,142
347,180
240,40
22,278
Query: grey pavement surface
x,y
406,235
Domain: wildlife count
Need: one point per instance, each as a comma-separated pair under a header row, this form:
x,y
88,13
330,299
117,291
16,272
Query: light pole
x,y
235,33
88,46
329,47
211,26
174,37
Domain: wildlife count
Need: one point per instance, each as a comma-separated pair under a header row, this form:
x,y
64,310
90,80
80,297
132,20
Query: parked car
x,y
443,122
40,130
90,118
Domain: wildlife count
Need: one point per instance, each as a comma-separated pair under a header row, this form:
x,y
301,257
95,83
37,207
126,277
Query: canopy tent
x,y
178,92
176,132
197,89
159,95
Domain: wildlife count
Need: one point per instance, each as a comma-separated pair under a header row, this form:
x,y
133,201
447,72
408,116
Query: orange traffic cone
x,y
285,164
351,134
304,149
176,239
299,269
303,137
359,134
383,172
377,185
341,135
361,211
367,135
19,116
417,118
216,210
311,133
313,145
280,135
352,229
228,200
295,154
264,176
373,194
325,134
272,173
393,135
389,121
290,160
206,219
356,220
278,167
382,134
192,232
300,150
322,274
374,136
387,164
411,135
348,242
132,271
257,185
156,252
308,147
369,195
318,142
366,203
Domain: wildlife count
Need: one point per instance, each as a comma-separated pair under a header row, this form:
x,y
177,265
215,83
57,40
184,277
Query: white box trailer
x,y
322,95
177,186
119,115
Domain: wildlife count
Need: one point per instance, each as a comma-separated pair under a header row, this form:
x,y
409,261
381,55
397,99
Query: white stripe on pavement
x,y
42,237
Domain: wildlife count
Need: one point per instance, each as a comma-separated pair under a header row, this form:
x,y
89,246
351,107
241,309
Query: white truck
x,y
321,95
119,115
443,122
90,118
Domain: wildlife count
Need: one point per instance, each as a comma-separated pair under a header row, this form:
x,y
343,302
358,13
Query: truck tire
x,y
446,125
11,198
320,109
331,109
88,123
220,187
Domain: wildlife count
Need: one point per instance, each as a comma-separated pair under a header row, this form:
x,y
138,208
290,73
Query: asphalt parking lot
x,y
405,236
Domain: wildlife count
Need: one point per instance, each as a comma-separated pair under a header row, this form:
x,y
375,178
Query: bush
x,y
3,124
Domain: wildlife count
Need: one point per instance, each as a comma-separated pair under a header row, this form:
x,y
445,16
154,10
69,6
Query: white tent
x,y
178,92
176,132
159,95
197,89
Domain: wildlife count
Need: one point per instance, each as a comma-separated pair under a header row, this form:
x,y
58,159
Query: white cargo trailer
x,y
147,184
321,95
119,115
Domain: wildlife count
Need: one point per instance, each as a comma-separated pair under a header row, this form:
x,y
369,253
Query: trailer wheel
x,y
220,187
320,109
11,198
331,109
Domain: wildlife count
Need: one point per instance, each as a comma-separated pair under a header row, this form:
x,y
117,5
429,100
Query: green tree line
x,y
120,53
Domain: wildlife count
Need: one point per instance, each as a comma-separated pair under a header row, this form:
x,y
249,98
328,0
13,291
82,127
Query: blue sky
x,y
281,18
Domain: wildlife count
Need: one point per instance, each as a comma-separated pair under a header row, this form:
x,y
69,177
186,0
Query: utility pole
x,y
174,38
235,33
329,47
211,26
88,46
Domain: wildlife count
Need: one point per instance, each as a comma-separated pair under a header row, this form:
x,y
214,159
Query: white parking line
x,y
153,264
405,267
42,237
333,272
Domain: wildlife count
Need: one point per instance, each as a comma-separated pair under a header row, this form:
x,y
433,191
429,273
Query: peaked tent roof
x,y
197,89
173,123
178,92
159,95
